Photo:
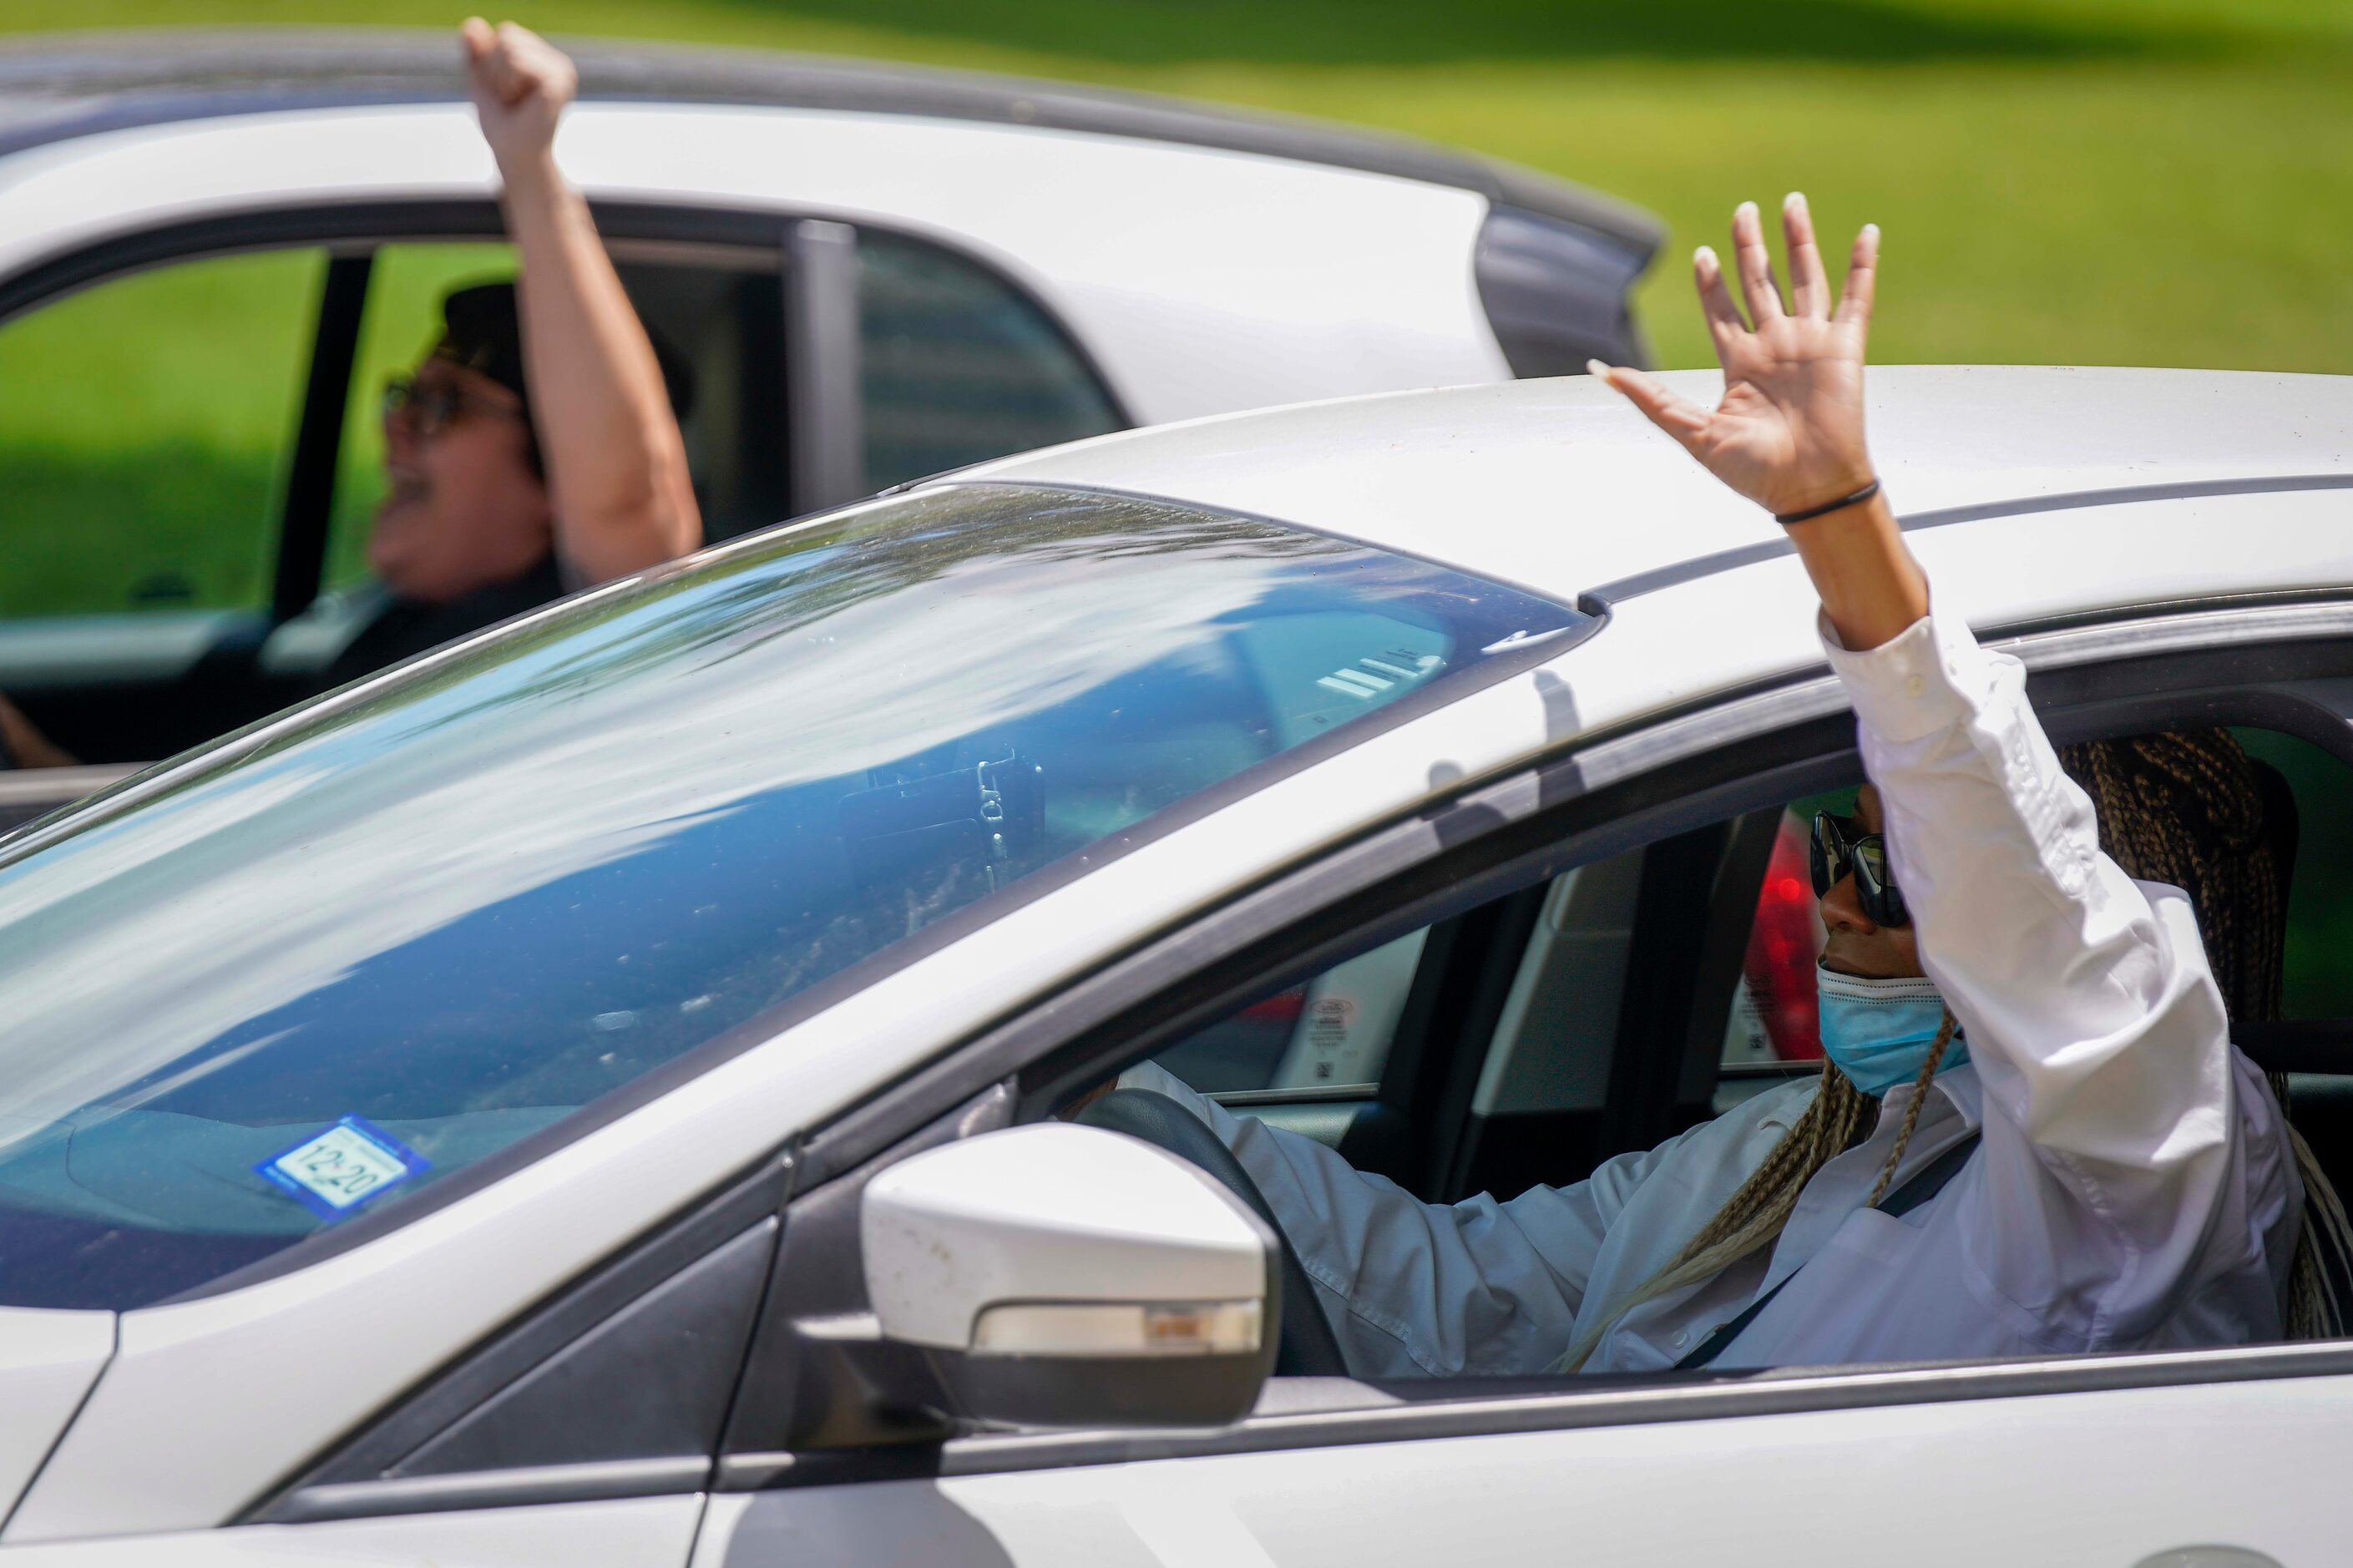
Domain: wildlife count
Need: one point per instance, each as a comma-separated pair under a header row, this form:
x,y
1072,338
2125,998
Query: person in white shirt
x,y
2032,1133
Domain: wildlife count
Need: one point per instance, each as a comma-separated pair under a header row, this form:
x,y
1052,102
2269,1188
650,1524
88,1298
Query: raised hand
x,y
521,84
1789,431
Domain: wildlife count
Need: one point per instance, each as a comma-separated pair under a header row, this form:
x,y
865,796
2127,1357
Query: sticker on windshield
x,y
335,1172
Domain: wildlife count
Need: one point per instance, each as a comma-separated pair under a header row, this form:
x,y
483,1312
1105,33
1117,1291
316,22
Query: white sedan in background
x,y
587,1095
214,247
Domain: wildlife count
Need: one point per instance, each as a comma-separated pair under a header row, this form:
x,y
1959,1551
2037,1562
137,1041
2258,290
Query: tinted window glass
x,y
143,427
724,315
313,981
958,368
1327,1034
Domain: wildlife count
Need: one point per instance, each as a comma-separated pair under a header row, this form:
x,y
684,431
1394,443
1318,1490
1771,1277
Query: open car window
x,y
310,979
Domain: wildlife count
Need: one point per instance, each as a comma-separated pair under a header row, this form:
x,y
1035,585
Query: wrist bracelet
x,y
1785,518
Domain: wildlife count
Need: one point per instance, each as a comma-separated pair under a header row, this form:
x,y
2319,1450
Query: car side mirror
x,y
1063,1276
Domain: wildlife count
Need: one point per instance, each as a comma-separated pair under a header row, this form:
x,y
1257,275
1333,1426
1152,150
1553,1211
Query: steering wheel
x,y
1308,1347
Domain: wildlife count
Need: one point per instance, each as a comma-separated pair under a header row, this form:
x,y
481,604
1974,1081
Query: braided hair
x,y
1839,1117
2185,808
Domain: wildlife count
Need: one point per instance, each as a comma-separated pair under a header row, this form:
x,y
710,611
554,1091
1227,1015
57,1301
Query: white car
x,y
214,247
584,1096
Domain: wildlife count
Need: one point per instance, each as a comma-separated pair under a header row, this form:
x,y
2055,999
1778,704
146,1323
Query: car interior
x,y
1612,1006
192,499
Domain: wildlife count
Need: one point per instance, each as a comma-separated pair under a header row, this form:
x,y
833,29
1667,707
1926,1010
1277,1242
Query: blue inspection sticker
x,y
337,1171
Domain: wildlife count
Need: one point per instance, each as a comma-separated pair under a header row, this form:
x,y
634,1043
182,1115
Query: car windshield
x,y
336,964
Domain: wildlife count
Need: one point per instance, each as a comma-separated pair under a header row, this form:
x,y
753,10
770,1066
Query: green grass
x,y
140,425
2073,181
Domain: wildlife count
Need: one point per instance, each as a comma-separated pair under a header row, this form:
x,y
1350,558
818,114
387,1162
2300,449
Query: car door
x,y
2193,1457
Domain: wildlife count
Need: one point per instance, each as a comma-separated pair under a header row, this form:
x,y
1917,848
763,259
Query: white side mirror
x,y
1065,1276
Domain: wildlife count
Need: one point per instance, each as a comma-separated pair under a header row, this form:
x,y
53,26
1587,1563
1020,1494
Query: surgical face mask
x,y
1878,1032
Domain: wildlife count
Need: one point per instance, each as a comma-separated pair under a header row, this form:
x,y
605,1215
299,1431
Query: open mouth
x,y
405,485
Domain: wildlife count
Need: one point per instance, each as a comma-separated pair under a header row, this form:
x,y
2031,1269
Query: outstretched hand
x,y
521,83
1788,432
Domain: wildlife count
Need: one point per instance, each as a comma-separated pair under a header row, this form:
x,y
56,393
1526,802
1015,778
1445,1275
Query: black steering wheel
x,y
1308,1347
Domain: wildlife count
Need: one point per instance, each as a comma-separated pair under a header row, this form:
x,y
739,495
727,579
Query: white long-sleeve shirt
x,y
2132,1190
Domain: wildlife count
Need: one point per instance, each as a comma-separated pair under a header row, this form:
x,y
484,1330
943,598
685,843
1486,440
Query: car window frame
x,y
814,252
2269,664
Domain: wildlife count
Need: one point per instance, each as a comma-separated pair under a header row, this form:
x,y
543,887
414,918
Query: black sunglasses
x,y
433,409
1839,846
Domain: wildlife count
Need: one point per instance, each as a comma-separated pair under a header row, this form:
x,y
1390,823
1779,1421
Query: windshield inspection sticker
x,y
335,1172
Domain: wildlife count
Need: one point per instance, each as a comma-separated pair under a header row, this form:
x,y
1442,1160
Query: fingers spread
x,y
1762,295
1862,276
1683,420
1809,288
1724,323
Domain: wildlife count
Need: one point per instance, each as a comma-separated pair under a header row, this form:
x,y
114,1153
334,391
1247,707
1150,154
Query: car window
x,y
1329,1034
2317,981
1772,1020
957,367
442,915
145,424
401,321
721,308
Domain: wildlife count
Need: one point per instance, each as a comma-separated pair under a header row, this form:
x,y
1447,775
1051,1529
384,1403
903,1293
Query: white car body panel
x,y
1200,280
1559,486
339,1338
48,1360
637,1532
2060,1480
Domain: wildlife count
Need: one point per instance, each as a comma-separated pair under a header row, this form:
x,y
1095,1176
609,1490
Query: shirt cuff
x,y
1925,678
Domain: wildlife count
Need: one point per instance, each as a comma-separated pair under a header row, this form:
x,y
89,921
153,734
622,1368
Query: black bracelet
x,y
1785,518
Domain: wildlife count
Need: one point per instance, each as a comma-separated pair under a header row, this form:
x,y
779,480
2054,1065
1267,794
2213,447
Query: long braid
x,y
2185,808
2182,808
1911,1112
1753,1216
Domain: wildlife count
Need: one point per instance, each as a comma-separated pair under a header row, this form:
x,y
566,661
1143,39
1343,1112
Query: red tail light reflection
x,y
1783,946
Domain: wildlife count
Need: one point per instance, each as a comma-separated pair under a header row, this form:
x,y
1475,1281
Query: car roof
x,y
1560,487
55,88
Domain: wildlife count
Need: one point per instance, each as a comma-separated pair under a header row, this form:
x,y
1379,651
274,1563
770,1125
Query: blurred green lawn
x,y
2167,182
2143,182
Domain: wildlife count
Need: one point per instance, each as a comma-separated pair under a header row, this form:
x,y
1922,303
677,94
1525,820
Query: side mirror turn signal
x,y
1063,1276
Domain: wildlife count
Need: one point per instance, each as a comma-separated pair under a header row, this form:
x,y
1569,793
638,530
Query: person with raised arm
x,y
535,450
2031,1133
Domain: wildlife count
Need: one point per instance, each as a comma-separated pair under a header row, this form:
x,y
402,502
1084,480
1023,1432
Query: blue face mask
x,y
1878,1032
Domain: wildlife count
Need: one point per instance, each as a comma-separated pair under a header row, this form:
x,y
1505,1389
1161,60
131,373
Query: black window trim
x,y
2261,664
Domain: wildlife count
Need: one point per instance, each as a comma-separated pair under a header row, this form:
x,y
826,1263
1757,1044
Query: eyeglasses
x,y
433,409
1839,846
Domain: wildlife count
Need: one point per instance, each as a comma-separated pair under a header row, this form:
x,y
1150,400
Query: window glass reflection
x,y
425,925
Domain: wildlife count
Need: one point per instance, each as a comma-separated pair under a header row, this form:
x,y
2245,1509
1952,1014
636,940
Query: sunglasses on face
x,y
431,409
1839,846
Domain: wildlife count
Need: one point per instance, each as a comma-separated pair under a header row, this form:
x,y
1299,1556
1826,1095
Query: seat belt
x,y
1924,1185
